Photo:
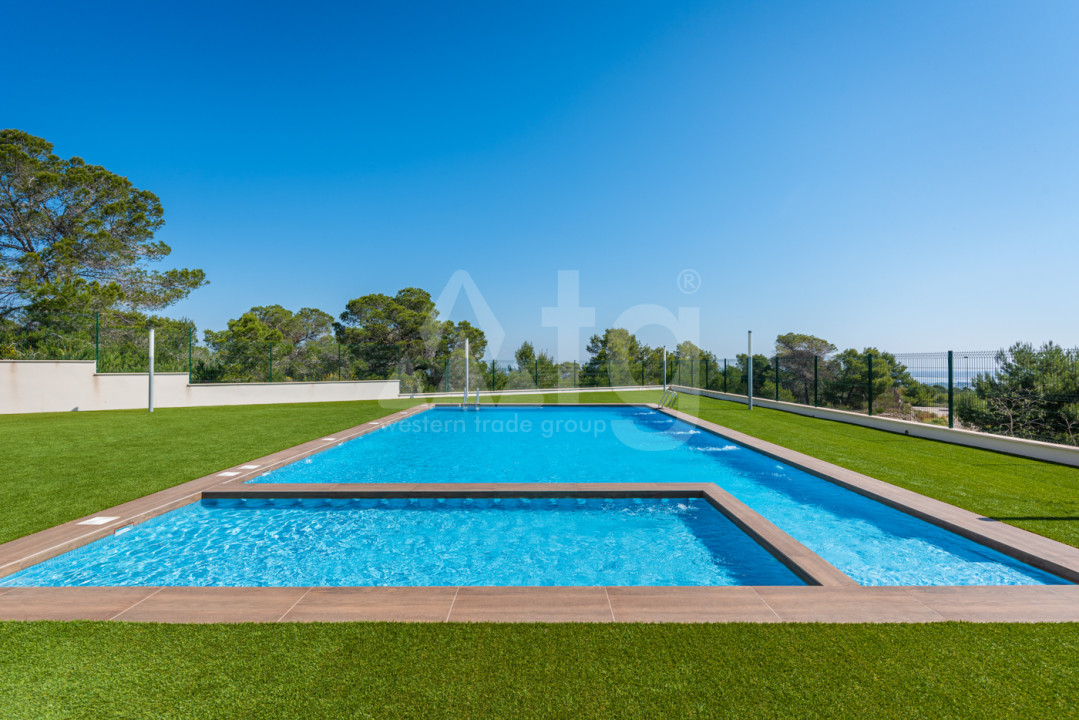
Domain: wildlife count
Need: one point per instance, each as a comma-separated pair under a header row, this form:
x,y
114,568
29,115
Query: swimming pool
x,y
872,543
421,542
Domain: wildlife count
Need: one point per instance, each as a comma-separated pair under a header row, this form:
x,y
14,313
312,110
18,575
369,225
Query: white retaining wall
x,y
1051,452
29,386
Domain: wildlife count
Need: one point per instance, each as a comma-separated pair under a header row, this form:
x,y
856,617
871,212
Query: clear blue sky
x,y
897,174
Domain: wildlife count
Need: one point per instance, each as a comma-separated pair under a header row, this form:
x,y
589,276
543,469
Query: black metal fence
x,y
545,375
1022,392
116,343
120,344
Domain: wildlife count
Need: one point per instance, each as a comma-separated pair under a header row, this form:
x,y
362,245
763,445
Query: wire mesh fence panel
x,y
975,374
844,385
455,373
516,377
922,383
1022,392
126,348
226,362
410,381
623,372
422,372
686,371
371,362
568,373
507,375
498,375
711,374
594,375
314,361
795,377
53,336
733,379
548,376
652,370
118,342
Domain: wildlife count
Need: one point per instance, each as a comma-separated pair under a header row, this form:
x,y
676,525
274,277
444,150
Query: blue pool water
x,y
872,543
395,542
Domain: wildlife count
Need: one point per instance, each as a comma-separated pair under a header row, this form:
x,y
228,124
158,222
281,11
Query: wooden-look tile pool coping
x,y
829,595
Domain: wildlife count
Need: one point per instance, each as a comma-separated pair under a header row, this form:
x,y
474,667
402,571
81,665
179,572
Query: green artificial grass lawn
x,y
372,670
58,467
61,466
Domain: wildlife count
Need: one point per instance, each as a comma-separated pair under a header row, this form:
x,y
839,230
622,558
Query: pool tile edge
x,y
543,604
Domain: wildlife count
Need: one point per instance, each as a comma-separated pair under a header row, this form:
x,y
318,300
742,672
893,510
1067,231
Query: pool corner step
x,y
809,567
803,562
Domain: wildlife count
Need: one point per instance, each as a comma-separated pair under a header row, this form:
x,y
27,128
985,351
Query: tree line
x,y
77,281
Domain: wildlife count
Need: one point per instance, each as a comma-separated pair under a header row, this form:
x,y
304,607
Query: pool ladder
x,y
464,401
669,398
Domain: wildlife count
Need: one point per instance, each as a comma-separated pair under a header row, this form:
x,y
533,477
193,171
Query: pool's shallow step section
x,y
37,547
803,562
1031,603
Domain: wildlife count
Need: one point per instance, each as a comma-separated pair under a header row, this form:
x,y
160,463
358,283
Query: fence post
x,y
951,393
271,362
777,377
575,374
724,375
150,371
749,368
399,369
869,388
815,384
706,373
446,375
97,342
338,362
535,374
643,366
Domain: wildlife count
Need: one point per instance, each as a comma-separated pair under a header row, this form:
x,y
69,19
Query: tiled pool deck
x,y
829,596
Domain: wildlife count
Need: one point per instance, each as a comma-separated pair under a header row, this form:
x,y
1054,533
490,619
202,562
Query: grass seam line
x,y
155,592
767,605
293,606
915,598
609,605
452,603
